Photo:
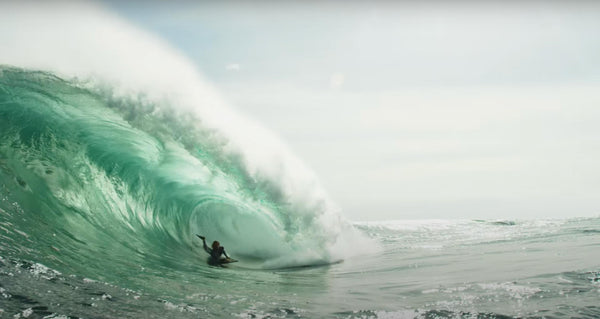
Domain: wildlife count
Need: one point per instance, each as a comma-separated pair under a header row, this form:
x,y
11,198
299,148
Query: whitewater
x,y
115,152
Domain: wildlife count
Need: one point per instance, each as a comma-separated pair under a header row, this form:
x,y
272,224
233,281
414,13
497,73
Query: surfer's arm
x,y
224,253
208,250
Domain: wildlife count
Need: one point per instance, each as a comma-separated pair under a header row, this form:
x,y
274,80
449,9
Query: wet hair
x,y
215,244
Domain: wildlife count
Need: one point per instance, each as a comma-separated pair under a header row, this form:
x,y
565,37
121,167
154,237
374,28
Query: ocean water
x,y
101,195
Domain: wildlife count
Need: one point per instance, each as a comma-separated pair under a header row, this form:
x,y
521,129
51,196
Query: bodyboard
x,y
227,261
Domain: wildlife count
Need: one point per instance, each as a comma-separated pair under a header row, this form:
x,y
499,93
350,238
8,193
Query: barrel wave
x,y
93,183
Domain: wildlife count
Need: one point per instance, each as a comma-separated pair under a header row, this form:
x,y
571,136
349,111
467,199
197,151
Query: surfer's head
x,y
215,244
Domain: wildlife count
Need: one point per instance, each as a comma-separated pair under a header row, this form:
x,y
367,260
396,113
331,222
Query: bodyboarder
x,y
216,252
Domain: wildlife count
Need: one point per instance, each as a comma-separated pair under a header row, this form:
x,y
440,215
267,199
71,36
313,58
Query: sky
x,y
410,110
413,110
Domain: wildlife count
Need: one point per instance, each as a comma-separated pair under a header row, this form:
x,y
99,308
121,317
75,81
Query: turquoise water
x,y
101,197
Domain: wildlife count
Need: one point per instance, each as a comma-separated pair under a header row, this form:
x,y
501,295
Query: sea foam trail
x,y
125,76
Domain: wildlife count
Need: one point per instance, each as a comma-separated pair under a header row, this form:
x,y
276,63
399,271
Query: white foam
x,y
516,291
39,269
27,312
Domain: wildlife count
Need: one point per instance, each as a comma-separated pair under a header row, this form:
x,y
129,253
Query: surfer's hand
x,y
202,237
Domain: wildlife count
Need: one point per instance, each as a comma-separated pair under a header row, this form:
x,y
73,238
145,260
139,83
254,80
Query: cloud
x,y
336,81
232,67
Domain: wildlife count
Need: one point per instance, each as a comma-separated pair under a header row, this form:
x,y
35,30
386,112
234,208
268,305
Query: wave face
x,y
92,183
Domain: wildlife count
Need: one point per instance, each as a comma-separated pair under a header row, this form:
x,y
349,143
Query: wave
x,y
142,176
441,234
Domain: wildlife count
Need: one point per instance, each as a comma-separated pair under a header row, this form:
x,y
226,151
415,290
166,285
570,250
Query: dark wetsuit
x,y
215,254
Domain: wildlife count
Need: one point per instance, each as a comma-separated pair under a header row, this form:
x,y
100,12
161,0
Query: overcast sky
x,y
429,110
